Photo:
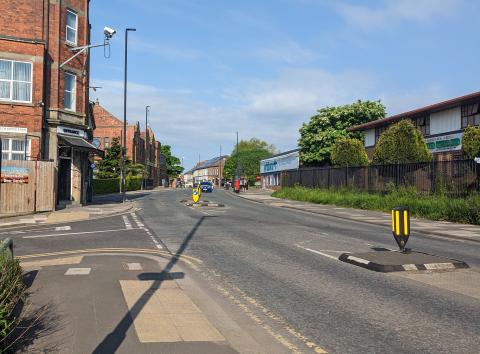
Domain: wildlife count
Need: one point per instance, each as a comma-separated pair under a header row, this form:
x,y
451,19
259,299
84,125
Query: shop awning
x,y
79,144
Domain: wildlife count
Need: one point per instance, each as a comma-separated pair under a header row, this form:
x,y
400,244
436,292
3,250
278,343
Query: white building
x,y
271,168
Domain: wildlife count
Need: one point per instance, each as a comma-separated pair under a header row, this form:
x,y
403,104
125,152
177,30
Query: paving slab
x,y
395,261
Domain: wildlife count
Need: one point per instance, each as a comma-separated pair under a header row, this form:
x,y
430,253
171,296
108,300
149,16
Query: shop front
x,y
271,168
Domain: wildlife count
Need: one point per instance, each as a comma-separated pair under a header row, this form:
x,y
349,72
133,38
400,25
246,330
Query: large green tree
x,y
471,142
349,152
173,163
401,143
249,154
109,166
318,136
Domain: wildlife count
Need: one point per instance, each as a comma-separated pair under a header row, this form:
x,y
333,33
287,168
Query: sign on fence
x,y
13,174
448,142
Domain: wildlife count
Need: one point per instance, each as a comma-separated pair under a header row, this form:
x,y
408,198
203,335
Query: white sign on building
x,y
448,142
285,162
71,131
17,130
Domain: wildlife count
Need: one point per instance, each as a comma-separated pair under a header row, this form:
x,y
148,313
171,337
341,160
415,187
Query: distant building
x,y
271,168
210,170
141,147
442,124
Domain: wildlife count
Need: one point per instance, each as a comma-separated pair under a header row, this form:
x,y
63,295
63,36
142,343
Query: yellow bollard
x,y
401,226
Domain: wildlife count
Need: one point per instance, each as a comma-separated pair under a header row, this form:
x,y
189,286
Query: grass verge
x,y
433,207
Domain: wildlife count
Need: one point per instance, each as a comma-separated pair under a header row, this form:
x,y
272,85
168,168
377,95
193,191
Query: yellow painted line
x,y
52,262
97,250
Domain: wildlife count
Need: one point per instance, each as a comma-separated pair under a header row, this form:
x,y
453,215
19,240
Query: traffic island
x,y
395,261
204,204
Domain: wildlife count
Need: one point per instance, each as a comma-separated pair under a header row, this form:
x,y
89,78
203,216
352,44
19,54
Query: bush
x,y
434,207
106,186
133,183
12,292
471,142
401,143
349,152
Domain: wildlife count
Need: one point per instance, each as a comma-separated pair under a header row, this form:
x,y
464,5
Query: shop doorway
x,y
64,179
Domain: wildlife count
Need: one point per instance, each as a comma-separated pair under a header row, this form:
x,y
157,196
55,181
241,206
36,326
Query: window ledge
x,y
14,103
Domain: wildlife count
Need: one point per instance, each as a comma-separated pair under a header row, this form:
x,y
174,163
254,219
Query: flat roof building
x,y
271,168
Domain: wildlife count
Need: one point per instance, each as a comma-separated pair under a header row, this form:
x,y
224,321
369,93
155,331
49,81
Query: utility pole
x,y
238,170
220,168
124,145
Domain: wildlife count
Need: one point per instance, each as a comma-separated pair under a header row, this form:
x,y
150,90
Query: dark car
x,y
206,186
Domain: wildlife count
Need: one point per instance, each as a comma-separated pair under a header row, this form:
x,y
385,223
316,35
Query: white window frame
x,y
69,27
9,151
11,81
74,92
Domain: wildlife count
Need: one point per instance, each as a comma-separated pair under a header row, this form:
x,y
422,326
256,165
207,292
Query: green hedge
x,y
12,292
434,207
133,183
112,185
106,186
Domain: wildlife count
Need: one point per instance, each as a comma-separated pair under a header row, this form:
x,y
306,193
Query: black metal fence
x,y
455,178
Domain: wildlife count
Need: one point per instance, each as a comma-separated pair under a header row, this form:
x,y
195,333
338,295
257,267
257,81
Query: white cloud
x,y
287,51
395,11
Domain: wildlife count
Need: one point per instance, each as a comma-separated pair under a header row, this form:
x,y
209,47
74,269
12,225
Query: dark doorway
x,y
64,179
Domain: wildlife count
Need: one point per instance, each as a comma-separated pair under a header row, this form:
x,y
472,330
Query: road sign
x,y
401,226
196,192
93,166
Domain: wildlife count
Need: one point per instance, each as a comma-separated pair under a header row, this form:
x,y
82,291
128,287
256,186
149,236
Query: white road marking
x,y
142,226
63,228
80,233
126,222
409,267
134,266
78,271
358,260
318,252
439,266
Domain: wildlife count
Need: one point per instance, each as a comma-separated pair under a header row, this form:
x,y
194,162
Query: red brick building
x,y
138,144
44,106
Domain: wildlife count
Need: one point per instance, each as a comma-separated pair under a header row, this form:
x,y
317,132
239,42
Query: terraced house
x,y
441,123
44,101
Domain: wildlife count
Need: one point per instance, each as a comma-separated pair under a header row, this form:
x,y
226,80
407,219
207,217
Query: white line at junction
x,y
320,253
82,233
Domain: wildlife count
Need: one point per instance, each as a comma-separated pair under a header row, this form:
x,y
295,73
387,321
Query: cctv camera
x,y
109,32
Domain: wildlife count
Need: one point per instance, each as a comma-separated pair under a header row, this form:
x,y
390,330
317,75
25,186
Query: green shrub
x,y
106,186
12,292
133,183
349,152
434,207
401,143
471,142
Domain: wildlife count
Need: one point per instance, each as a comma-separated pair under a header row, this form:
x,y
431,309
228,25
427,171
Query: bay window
x,y
71,28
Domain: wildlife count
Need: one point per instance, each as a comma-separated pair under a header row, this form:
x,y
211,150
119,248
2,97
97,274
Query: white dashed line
x,y
143,227
63,228
318,252
134,266
126,222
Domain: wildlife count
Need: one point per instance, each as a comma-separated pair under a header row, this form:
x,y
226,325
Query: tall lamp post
x,y
147,156
124,144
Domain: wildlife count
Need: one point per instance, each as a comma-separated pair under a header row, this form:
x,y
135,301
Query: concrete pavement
x,y
438,228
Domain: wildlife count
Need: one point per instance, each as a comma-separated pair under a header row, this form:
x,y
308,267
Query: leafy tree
x,y
349,152
109,166
471,142
249,154
401,143
173,163
255,143
135,169
318,136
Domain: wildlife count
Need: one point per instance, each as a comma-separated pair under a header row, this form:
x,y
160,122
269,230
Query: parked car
x,y
206,186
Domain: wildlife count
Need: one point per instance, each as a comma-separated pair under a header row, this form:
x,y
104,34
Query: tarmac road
x,y
279,269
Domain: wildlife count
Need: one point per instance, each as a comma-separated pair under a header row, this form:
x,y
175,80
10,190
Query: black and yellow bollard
x,y
401,226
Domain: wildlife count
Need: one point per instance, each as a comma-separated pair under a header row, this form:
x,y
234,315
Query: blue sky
x,y
211,67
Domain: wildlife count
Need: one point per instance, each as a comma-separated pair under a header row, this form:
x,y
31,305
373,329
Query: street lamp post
x,y
147,110
124,144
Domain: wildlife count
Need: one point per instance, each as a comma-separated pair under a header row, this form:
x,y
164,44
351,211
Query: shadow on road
x,y
114,339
